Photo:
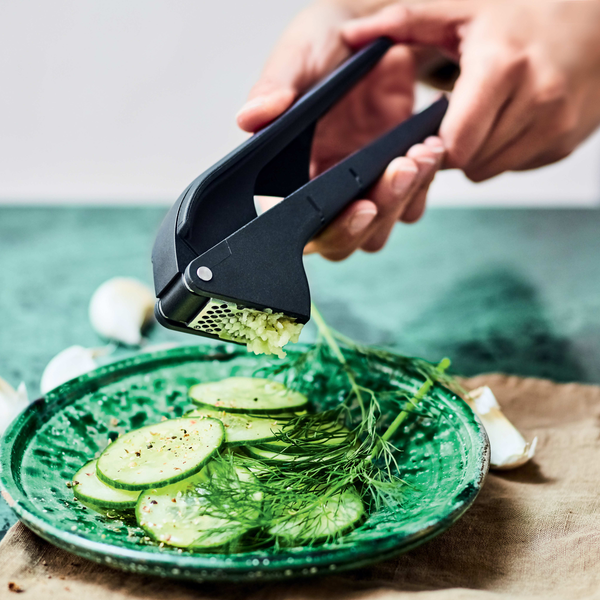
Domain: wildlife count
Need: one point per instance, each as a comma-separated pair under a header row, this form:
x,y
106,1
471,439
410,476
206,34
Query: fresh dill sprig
x,y
348,447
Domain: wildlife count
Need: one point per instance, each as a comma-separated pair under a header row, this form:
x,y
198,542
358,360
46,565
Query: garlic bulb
x,y
121,308
70,363
12,402
508,447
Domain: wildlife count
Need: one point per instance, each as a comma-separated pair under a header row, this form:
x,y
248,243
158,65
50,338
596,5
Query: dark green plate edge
x,y
203,567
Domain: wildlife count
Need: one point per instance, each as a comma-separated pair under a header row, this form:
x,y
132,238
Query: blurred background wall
x,y
126,101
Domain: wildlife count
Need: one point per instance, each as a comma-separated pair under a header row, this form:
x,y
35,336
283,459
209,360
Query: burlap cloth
x,y
532,533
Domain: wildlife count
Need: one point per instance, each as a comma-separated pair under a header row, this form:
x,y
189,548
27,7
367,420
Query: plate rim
x,y
213,566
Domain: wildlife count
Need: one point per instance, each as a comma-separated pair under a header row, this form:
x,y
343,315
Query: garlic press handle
x,y
349,179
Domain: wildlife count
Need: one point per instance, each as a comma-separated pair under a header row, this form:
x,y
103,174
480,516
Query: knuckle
x,y
477,175
567,123
396,14
336,256
513,64
553,90
457,156
561,151
410,219
374,244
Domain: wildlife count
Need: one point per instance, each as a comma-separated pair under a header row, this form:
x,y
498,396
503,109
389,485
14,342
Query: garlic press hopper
x,y
214,256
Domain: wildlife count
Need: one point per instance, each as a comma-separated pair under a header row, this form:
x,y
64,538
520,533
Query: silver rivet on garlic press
x,y
204,273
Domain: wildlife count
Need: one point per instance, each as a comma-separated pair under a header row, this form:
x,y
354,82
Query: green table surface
x,y
516,291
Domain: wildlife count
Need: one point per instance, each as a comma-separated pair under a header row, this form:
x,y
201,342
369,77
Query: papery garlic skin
x,y
121,308
12,402
509,449
68,364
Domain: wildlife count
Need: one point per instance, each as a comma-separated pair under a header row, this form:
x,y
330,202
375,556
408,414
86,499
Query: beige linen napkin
x,y
532,533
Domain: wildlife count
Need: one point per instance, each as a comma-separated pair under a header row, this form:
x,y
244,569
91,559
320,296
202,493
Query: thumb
x,y
274,92
310,48
433,24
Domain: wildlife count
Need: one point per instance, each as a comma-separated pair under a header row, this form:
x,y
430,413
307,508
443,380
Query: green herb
x,y
328,460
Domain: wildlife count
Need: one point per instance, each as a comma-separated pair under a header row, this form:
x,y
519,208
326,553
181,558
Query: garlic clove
x,y
70,363
509,449
12,402
121,308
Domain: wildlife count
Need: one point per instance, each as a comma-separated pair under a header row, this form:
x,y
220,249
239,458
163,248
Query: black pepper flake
x,y
15,587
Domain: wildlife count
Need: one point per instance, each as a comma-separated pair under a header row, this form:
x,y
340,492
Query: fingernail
x,y
433,141
435,145
403,178
252,104
361,220
426,159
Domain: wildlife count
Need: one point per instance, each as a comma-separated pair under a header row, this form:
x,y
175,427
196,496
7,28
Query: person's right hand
x,y
529,88
310,48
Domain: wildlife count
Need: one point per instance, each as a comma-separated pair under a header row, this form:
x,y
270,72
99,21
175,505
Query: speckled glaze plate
x,y
444,455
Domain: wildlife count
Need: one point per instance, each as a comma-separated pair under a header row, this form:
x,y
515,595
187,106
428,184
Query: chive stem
x,y
325,331
389,432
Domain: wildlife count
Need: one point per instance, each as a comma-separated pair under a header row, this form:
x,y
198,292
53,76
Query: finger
x,y
395,192
486,84
434,24
344,235
391,193
264,107
417,207
414,210
309,49
511,125
487,77
531,150
277,87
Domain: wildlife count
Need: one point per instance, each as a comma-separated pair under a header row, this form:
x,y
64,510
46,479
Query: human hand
x,y
310,48
529,88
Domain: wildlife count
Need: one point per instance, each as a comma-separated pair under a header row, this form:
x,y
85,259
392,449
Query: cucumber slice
x,y
315,440
274,456
248,395
285,455
180,514
93,492
157,455
338,514
241,430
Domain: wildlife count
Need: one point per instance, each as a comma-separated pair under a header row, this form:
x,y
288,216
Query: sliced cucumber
x,y
314,440
95,493
181,514
241,430
158,455
248,395
274,456
285,455
338,514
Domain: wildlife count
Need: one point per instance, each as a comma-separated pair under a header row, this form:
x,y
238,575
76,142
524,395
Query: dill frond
x,y
353,446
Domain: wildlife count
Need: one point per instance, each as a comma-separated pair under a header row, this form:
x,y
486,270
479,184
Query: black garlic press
x,y
214,257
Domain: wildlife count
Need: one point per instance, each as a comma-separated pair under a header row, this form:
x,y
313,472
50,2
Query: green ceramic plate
x,y
444,456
